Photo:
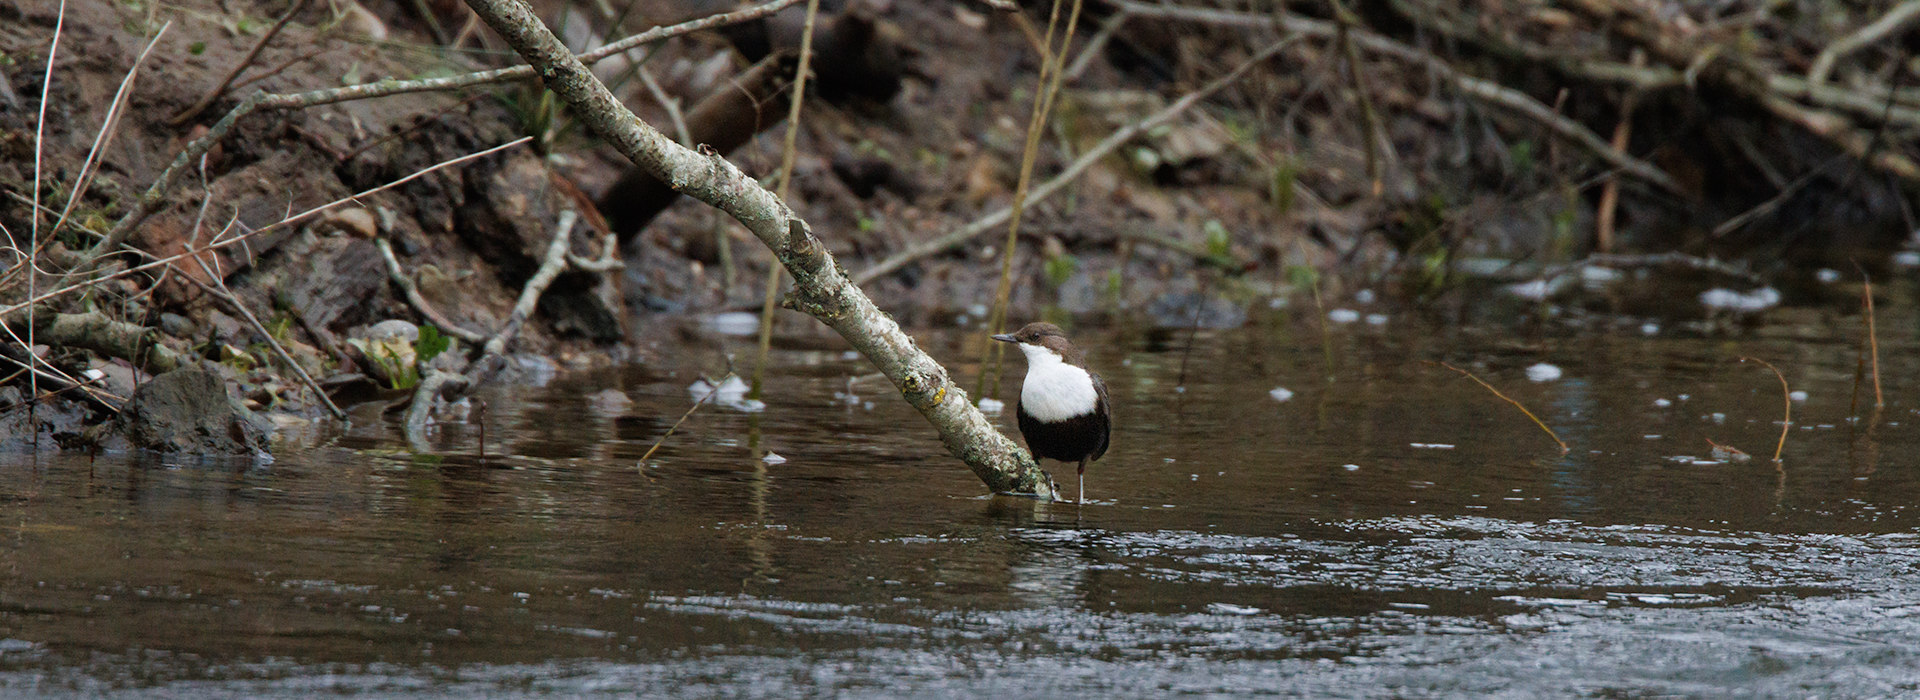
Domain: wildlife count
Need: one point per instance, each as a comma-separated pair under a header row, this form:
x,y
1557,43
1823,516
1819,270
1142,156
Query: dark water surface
x,y
1319,547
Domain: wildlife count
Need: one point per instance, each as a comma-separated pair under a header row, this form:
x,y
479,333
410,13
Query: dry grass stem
x,y
33,240
108,127
1052,64
1873,346
1786,403
1516,404
789,151
241,238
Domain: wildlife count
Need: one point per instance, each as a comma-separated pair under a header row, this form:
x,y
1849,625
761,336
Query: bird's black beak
x,y
1006,338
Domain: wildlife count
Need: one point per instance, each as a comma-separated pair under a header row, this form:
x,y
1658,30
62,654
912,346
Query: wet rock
x,y
188,411
334,280
56,421
176,325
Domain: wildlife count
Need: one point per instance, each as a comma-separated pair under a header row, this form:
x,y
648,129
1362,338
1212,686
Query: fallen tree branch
x,y
94,331
821,288
437,385
1100,150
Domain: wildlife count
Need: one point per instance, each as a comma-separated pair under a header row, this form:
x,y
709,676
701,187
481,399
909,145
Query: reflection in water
x,y
1396,532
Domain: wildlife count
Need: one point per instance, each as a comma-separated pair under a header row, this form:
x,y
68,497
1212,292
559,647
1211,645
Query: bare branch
x,y
412,292
1888,23
820,287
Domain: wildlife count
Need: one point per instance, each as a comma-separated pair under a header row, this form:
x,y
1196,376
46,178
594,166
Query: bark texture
x,y
821,288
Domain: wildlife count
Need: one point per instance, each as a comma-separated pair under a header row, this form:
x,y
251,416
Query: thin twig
x,y
551,266
437,384
189,113
1516,404
1786,401
419,302
272,342
1106,146
1873,341
683,418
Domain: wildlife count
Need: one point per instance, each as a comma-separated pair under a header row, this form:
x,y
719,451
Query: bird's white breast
x,y
1055,390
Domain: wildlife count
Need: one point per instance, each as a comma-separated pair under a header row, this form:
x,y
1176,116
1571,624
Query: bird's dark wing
x,y
1102,411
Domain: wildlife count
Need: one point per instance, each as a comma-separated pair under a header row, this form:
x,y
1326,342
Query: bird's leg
x,y
1083,481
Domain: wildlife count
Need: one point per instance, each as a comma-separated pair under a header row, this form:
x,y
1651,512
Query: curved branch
x,y
821,289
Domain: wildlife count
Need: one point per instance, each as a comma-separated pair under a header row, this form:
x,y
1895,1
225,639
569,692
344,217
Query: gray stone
x,y
188,411
394,328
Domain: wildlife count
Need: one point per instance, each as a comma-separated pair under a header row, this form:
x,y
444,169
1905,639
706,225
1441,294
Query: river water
x,y
1389,530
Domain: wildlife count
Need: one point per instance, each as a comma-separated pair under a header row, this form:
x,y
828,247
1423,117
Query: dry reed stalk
x,y
789,151
1786,402
1873,346
1516,404
1052,64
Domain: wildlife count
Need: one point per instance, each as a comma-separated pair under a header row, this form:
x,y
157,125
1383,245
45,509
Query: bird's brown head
x,y
1044,335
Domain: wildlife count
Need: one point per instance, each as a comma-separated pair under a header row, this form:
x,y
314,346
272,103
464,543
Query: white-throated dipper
x,y
1063,406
